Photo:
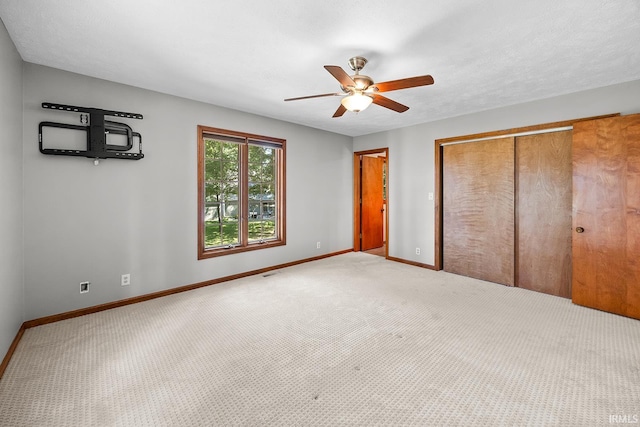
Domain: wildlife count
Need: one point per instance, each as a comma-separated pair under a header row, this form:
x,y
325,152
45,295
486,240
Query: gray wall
x,y
411,155
94,223
11,271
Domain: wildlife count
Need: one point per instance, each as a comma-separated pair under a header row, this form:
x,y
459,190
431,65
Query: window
x,y
241,192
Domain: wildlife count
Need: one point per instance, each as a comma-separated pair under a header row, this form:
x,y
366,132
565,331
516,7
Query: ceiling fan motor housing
x,y
362,83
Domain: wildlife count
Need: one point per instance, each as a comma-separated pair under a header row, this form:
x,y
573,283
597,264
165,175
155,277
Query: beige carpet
x,y
349,340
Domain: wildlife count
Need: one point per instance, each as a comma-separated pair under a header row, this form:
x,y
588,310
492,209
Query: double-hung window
x,y
241,192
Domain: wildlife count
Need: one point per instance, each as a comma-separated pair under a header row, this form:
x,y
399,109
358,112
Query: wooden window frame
x,y
243,200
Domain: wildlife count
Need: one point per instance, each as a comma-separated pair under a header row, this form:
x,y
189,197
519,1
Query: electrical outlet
x,y
125,280
84,287
417,251
318,245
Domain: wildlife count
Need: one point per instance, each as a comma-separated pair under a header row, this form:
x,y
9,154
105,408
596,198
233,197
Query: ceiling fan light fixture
x,y
356,102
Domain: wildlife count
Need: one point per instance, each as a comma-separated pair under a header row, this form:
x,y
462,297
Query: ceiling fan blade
x,y
340,75
389,103
314,96
340,111
404,83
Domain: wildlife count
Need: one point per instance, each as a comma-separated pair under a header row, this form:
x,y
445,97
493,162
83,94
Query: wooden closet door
x,y
606,215
478,209
543,218
372,203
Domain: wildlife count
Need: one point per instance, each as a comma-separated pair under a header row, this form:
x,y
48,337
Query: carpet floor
x,y
350,340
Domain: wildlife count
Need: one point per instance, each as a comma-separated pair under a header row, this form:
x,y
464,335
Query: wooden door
x,y
372,203
543,213
478,209
606,207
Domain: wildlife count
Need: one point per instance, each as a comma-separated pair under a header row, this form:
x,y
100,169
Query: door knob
x,y
579,230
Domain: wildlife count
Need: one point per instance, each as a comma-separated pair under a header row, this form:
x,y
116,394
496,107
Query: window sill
x,y
216,252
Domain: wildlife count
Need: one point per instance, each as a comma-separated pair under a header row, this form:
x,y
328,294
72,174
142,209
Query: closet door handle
x,y
579,230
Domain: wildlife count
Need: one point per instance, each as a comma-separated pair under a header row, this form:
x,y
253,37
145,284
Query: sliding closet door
x,y
606,208
543,213
478,209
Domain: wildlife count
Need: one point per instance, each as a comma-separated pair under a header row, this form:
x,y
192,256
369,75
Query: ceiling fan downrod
x,y
362,82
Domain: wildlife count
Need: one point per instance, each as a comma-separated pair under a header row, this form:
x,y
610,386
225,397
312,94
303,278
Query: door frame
x,y
439,145
357,187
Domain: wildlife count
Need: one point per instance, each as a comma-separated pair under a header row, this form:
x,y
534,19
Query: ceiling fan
x,y
360,91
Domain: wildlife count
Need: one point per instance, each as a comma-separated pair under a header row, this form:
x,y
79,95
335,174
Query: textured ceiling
x,y
251,54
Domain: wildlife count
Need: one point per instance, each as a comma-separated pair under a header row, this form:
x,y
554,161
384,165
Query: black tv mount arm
x,y
97,130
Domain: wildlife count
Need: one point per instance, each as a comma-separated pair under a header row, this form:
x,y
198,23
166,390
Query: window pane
x,y
268,172
262,194
211,148
231,211
230,170
230,192
261,230
254,210
268,210
230,229
255,163
230,152
212,212
264,164
268,192
255,191
213,234
212,192
221,193
268,165
230,232
213,170
212,226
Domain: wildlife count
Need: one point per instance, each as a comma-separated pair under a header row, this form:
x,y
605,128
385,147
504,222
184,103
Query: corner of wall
x,y
12,286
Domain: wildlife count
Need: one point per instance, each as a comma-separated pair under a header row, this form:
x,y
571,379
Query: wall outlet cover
x,y
84,287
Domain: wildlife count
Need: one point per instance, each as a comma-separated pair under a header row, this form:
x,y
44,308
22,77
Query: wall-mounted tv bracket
x,y
97,130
